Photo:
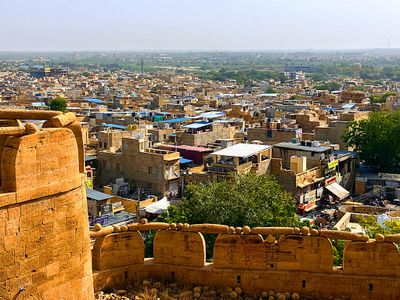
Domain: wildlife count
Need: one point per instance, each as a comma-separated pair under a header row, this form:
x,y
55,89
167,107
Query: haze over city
x,y
76,25
199,149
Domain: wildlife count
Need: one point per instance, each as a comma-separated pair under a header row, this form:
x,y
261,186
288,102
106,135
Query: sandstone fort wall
x,y
257,259
43,210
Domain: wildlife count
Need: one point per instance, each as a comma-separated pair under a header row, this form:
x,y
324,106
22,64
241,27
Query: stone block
x,y
179,248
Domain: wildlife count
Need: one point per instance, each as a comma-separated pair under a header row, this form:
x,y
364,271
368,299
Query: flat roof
x,y
116,126
188,148
288,145
96,195
177,120
197,125
94,100
242,150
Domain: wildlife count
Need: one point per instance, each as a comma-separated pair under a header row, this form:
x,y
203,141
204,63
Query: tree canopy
x,y
330,86
372,227
254,200
381,98
377,140
59,104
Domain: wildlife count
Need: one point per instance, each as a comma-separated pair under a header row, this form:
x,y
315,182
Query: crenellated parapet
x,y
43,210
282,258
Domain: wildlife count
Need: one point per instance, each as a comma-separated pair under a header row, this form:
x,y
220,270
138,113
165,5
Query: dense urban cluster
x,y
149,135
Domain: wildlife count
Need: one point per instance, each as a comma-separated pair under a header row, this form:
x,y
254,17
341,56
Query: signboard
x,y
389,176
333,164
330,180
309,196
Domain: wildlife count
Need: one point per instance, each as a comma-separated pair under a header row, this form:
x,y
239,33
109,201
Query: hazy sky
x,y
49,25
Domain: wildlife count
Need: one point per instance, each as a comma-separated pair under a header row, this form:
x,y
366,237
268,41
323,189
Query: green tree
x,y
380,98
246,200
253,200
330,86
270,90
377,140
59,104
337,249
372,227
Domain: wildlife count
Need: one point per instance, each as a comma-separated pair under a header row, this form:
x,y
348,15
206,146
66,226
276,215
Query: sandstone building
x,y
154,170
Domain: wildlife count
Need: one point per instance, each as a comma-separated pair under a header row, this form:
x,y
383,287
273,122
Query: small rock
x,y
280,296
157,285
295,296
264,294
121,292
146,283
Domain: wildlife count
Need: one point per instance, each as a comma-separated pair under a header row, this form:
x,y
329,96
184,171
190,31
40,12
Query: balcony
x,y
230,168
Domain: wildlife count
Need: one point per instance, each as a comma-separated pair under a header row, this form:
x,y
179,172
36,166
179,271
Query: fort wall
x,y
43,212
257,259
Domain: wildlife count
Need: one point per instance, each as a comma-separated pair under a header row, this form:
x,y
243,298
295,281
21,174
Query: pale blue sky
x,y
51,25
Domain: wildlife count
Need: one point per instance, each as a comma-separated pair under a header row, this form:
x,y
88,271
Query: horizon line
x,y
200,50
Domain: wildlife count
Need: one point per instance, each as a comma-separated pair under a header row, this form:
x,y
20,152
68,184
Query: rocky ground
x,y
148,290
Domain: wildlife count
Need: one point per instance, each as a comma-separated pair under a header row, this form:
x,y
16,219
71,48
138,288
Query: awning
x,y
338,190
185,160
158,207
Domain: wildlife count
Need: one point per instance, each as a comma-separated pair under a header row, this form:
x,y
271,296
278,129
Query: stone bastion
x,y
45,245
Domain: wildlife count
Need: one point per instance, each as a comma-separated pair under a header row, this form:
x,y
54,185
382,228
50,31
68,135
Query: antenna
x,y
388,42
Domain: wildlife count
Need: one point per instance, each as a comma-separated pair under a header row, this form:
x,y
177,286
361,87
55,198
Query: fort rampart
x,y
256,259
44,249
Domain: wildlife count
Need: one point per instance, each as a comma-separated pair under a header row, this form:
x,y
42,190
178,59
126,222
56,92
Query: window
x,y
118,167
269,133
150,170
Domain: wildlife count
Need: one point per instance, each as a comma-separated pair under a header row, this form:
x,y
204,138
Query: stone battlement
x,y
256,259
43,210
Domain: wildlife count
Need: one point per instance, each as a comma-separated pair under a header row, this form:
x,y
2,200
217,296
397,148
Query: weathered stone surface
x,y
28,114
209,228
373,258
305,253
239,251
272,230
40,164
43,216
118,250
179,248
